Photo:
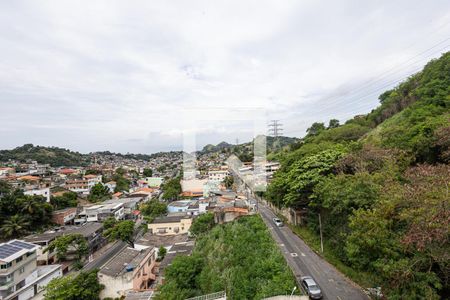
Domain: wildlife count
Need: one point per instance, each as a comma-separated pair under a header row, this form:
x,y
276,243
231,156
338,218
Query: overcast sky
x,y
132,76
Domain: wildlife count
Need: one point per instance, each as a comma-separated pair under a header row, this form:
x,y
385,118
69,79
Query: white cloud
x,y
119,74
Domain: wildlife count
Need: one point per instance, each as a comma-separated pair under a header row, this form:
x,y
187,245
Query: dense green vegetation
x,y
67,199
45,155
20,214
84,286
120,230
99,192
122,184
202,224
171,189
153,209
147,172
381,185
246,263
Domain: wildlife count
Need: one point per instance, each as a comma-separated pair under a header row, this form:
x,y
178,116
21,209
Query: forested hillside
x,y
45,155
381,183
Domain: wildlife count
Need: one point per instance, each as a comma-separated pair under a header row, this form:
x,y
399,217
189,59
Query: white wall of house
x,y
40,192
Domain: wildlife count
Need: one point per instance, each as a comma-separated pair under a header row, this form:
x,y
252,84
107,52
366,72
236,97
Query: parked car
x,y
278,222
311,287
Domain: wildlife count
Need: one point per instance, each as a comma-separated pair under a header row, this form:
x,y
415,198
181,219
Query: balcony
x,y
5,285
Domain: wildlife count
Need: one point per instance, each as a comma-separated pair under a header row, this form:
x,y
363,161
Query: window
x,y
21,270
19,259
3,266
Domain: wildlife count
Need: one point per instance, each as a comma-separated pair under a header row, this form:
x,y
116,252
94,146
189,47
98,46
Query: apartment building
x,y
217,175
20,277
129,270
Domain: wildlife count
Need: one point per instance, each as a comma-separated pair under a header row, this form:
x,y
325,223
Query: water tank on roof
x,y
129,268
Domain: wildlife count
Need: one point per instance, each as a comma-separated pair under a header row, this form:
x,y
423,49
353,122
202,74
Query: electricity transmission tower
x,y
275,128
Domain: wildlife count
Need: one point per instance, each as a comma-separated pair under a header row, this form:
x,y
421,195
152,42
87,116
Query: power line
x,y
275,128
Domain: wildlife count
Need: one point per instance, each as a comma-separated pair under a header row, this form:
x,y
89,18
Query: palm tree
x,y
15,226
29,205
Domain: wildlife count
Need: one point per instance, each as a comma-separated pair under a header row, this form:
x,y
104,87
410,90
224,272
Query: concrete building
x,y
100,212
217,175
129,270
170,225
193,187
154,181
64,216
20,277
111,185
178,206
45,192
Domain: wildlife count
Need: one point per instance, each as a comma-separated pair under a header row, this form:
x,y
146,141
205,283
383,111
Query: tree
x,y
15,226
123,230
315,129
69,243
161,253
171,189
202,223
85,286
99,192
122,184
154,208
228,181
67,199
333,123
147,172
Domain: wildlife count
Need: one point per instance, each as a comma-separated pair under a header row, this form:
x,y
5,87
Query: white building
x,y
100,212
39,192
20,277
217,175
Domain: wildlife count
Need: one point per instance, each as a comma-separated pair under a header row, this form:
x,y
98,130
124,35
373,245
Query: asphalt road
x,y
303,261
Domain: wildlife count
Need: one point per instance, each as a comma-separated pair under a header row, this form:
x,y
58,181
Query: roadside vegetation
x,y
380,184
239,257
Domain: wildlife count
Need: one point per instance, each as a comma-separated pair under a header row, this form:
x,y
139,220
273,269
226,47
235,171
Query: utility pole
x,y
275,128
321,237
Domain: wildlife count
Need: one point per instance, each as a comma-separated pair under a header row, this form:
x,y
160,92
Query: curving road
x,y
303,261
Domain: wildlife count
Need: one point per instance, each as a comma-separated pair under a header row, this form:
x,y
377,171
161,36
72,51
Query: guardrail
x,y
213,296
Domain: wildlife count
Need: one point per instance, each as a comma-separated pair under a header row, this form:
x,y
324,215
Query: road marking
x,y
339,298
293,254
303,254
281,245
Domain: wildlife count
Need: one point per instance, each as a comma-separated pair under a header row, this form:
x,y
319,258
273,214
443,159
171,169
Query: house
x,y
170,225
100,212
129,270
77,186
64,216
20,277
92,233
141,295
92,180
111,185
6,171
178,206
44,192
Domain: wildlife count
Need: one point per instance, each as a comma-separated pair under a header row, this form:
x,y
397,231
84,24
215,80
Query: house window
x,y
3,267
19,259
21,270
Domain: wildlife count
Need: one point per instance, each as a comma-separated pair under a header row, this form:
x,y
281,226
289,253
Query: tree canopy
x,y
84,286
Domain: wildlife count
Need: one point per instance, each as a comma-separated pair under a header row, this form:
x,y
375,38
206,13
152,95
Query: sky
x,y
138,76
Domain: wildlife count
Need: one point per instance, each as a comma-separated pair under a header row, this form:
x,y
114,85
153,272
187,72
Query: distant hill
x,y
245,151
54,156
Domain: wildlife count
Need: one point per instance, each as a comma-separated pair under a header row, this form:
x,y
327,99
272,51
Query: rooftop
x,y
127,258
144,295
157,241
14,249
169,219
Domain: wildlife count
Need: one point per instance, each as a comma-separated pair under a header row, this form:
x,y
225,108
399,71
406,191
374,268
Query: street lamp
x,y
293,290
